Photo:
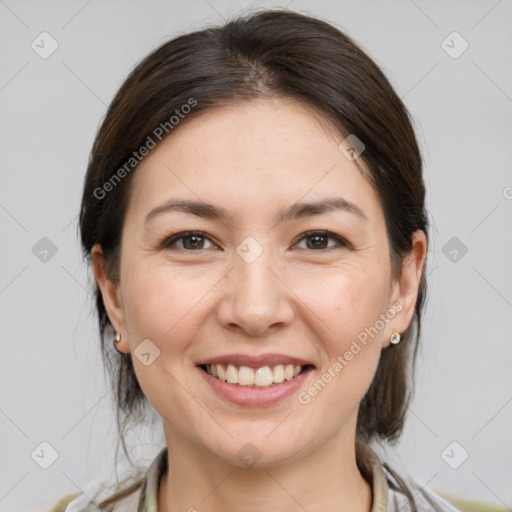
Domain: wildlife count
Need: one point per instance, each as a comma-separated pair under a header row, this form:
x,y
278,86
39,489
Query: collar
x,y
367,460
371,468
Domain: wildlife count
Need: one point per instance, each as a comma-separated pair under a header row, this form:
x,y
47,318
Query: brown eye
x,y
317,240
191,241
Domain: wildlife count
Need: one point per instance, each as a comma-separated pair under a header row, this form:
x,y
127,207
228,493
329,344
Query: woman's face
x,y
255,284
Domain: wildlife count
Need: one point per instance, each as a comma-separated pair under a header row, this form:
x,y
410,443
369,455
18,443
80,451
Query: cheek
x,y
160,303
348,301
163,306
347,306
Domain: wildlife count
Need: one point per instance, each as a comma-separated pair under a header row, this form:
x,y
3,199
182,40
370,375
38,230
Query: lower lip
x,y
254,397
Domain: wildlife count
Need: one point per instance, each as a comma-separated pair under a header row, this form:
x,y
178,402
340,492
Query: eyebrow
x,y
295,211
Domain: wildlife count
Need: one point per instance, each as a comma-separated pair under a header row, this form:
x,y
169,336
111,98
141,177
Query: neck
x,y
195,481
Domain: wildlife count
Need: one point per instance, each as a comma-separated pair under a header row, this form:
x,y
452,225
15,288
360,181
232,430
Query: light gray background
x,y
52,385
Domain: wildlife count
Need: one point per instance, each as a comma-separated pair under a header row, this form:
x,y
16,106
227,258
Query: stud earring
x,y
117,339
395,338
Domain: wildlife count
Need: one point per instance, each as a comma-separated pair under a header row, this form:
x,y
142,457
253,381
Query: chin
x,y
259,451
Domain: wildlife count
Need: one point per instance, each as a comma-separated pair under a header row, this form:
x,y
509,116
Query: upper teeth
x,y
246,376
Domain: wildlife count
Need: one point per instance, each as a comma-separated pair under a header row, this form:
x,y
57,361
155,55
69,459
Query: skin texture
x,y
254,159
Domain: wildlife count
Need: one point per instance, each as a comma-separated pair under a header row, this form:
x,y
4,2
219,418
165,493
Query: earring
x,y
117,339
395,338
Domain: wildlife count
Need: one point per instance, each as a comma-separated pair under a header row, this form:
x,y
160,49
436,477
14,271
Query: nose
x,y
255,298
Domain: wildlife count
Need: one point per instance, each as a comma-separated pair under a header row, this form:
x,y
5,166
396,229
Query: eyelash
x,y
168,242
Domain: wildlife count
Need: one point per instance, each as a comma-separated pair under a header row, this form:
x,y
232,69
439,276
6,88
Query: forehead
x,y
252,156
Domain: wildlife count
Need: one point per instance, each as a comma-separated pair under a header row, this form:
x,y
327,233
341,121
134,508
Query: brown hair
x,y
275,53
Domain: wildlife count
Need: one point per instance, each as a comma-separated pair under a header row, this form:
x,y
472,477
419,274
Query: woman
x,y
254,215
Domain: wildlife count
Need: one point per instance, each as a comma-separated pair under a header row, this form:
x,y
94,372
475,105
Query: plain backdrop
x,y
458,88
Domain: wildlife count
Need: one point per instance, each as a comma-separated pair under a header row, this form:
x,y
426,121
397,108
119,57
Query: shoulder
x,y
139,489
63,502
103,495
393,492
410,496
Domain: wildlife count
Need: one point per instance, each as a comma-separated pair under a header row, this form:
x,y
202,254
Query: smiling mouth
x,y
263,377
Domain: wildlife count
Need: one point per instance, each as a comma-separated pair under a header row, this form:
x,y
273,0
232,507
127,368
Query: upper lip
x,y
255,361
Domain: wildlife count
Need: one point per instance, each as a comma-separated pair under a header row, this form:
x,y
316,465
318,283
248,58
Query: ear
x,y
405,288
110,292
